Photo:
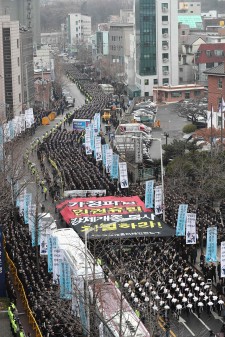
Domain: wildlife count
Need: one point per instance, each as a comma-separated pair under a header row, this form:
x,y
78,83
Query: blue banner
x,y
104,148
98,118
211,245
149,194
65,281
33,233
181,220
11,130
115,167
2,266
83,315
92,136
27,202
50,258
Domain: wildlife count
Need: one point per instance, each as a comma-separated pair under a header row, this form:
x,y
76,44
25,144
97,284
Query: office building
x,y
156,44
27,68
78,28
10,69
27,12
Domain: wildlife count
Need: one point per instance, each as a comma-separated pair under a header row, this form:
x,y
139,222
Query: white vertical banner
x,y
88,140
123,175
98,148
222,258
191,229
57,257
109,157
138,149
158,200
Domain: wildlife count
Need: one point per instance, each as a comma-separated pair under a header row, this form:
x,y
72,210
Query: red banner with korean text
x,y
93,209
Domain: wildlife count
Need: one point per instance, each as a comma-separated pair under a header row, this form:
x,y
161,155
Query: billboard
x,y
80,124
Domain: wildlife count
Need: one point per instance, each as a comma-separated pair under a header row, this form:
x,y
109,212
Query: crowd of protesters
x,y
53,315
154,271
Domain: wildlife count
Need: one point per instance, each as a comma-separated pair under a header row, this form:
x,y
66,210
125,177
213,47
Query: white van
x,y
134,127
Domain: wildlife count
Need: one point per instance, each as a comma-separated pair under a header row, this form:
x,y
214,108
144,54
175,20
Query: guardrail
x,y
19,285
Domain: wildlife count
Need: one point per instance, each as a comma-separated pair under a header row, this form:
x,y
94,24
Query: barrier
x,y
45,121
19,285
52,116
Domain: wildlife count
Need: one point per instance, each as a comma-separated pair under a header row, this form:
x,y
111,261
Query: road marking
x,y
216,316
202,322
181,320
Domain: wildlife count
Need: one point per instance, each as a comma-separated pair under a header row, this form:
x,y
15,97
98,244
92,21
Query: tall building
x,y
78,28
27,12
10,69
156,44
27,67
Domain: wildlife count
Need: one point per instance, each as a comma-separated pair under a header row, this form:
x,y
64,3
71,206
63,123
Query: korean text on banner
x,y
149,193
123,175
105,147
109,154
98,148
191,229
88,141
27,203
57,258
181,220
158,200
115,167
65,281
211,245
222,259
92,133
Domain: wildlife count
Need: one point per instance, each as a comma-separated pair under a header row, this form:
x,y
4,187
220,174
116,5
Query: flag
x,y
211,245
181,220
191,229
158,200
149,193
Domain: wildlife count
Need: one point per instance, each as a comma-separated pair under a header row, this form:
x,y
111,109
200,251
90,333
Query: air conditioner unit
x,y
164,9
165,35
165,72
165,84
165,47
165,60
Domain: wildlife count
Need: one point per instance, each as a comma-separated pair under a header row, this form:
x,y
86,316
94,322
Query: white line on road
x,y
202,321
216,316
181,320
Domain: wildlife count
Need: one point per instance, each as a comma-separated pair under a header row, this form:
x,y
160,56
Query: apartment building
x,y
156,44
10,69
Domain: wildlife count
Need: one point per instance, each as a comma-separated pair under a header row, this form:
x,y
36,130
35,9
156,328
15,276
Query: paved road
x,y
171,123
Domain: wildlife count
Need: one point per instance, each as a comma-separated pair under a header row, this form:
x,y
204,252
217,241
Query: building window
x,y
18,61
165,18
146,93
155,81
19,97
165,81
197,92
209,65
208,53
220,83
176,94
218,52
183,32
18,79
165,7
146,82
17,42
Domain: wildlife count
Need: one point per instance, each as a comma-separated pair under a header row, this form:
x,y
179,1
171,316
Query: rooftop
x,y
219,70
193,21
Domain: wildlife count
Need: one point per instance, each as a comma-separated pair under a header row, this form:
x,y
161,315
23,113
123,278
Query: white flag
x,y
158,200
123,175
222,259
109,157
98,148
191,228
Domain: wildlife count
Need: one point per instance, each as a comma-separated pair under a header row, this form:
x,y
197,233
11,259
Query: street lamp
x,y
162,175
